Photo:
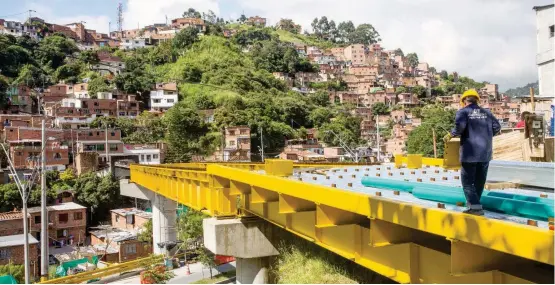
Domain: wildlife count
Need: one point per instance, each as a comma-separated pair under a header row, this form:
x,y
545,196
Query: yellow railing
x,y
107,271
405,242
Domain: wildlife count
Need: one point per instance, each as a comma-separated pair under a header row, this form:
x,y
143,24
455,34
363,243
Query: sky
x,y
487,40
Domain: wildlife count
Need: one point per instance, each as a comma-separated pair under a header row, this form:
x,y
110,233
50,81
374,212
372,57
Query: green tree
x,y
444,75
146,234
53,50
379,109
344,127
419,91
185,127
98,84
399,52
32,76
3,93
320,116
412,59
99,195
436,117
344,30
192,13
364,34
401,89
68,73
185,38
320,98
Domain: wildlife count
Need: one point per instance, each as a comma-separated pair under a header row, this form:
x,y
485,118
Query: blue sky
x,y
488,40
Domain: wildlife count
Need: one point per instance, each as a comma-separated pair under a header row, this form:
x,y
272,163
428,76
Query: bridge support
x,y
249,241
164,219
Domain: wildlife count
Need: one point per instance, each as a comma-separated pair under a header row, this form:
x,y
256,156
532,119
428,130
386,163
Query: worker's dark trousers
x,y
473,177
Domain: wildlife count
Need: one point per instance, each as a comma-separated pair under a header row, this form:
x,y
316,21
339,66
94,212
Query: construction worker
x,y
476,127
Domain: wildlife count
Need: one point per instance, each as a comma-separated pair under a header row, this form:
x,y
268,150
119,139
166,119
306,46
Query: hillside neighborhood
x,y
202,89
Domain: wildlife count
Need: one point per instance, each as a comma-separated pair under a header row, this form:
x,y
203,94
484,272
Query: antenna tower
x,y
120,18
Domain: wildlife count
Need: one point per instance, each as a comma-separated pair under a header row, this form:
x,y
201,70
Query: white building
x,y
128,44
17,29
545,59
163,97
147,154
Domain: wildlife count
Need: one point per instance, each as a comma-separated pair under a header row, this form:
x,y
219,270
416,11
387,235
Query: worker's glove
x,y
447,138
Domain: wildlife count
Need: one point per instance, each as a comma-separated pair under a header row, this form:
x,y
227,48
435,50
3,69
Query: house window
x,y
231,142
131,248
113,147
57,156
63,218
113,133
77,216
117,218
148,158
5,253
156,100
154,156
61,233
170,100
100,147
37,219
551,31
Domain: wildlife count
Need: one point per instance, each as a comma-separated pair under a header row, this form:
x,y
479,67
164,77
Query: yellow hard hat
x,y
468,93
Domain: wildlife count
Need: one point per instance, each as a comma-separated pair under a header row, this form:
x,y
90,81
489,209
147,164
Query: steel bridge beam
x,y
407,243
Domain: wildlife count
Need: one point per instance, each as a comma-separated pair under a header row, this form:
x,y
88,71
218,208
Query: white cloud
x,y
492,40
99,23
146,12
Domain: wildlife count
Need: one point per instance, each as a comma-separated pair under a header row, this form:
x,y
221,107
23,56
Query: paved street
x,y
197,273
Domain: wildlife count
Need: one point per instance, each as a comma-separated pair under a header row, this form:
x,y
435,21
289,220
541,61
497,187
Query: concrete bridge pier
x,y
249,241
164,220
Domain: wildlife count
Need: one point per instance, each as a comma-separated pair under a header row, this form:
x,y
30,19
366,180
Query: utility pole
x,y
261,143
532,99
106,147
434,137
43,210
29,19
378,136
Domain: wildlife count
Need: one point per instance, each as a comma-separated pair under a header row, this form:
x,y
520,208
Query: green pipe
x,y
520,197
513,204
392,184
452,195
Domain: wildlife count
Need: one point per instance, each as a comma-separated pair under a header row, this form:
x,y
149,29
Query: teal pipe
x,y
522,208
388,184
400,185
513,204
521,197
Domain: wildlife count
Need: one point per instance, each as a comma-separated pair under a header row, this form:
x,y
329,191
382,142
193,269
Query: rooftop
x,y
537,8
115,234
15,240
60,207
11,216
132,211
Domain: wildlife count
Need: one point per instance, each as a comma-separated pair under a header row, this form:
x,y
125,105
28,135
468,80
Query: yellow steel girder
x,y
405,242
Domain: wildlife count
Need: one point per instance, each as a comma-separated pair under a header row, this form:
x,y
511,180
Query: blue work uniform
x,y
476,127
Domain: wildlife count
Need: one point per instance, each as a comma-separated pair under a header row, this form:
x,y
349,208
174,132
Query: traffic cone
x,y
188,272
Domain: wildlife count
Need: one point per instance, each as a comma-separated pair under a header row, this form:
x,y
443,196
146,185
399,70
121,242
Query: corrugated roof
x,y
61,207
537,8
15,240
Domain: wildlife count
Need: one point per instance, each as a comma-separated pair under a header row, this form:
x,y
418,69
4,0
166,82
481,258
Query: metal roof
x,y
15,240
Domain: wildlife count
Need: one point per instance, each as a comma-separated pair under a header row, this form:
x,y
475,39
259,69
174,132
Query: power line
x,y
14,14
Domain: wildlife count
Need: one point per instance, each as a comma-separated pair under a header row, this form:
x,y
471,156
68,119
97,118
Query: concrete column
x,y
164,220
250,242
252,270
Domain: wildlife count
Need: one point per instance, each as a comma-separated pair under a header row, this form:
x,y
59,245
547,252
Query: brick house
x,y
256,21
183,23
356,54
12,251
67,223
11,223
121,236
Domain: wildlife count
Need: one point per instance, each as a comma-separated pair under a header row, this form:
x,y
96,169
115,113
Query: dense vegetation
x,y
524,90
230,76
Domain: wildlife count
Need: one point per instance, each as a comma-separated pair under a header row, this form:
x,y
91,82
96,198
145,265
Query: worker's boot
x,y
477,212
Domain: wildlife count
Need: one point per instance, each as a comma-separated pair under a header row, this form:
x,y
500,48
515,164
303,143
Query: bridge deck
x,y
398,237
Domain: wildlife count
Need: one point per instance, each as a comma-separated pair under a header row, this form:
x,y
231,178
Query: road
x,y
198,272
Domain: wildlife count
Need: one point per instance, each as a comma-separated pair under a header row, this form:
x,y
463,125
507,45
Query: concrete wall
x,y
545,53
